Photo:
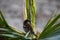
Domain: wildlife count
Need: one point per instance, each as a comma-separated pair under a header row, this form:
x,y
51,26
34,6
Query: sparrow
x,y
27,26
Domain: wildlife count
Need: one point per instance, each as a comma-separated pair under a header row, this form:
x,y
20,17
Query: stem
x,y
30,11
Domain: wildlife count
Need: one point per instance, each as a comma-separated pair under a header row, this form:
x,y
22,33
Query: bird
x,y
27,26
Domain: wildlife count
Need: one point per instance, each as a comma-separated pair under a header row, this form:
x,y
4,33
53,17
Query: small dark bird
x,y
27,26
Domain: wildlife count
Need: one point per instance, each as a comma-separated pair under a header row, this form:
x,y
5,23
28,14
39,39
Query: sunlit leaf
x,y
50,27
52,21
8,31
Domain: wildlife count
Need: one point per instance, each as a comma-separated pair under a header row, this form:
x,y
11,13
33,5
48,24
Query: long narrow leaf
x,y
8,33
52,21
49,25
3,19
53,30
50,31
12,36
1,23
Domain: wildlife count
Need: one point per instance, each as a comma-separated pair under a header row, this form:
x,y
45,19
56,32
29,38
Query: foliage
x,y
9,33
30,11
51,29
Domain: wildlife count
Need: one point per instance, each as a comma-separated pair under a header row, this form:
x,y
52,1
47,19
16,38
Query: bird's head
x,y
27,22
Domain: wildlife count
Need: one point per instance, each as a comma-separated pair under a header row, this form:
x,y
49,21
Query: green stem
x,y
30,11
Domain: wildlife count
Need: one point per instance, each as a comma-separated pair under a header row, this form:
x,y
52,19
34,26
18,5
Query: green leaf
x,y
49,26
10,34
52,30
52,21
1,22
3,19
27,34
4,24
8,31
